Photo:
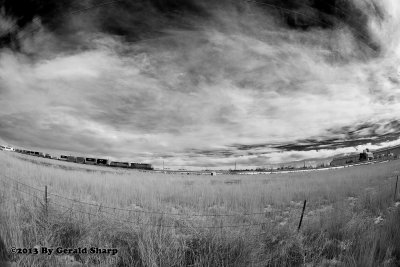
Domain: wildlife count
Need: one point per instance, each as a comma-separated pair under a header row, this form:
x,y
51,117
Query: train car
x,y
63,157
147,166
47,156
71,159
36,153
91,161
134,165
141,166
80,160
120,164
41,154
103,162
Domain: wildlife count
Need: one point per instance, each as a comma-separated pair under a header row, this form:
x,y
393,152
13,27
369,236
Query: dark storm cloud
x,y
200,83
329,14
135,20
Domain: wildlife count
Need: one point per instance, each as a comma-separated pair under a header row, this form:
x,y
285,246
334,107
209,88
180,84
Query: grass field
x,y
351,217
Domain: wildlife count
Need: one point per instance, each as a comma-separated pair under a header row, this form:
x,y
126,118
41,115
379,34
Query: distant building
x,y
387,153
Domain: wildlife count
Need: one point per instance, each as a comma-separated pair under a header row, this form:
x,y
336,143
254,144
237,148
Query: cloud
x,y
209,87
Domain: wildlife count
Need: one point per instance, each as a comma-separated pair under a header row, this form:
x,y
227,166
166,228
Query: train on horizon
x,y
89,160
383,154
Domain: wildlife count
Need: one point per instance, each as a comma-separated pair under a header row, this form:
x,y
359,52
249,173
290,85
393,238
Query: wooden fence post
x,y
395,190
302,214
45,202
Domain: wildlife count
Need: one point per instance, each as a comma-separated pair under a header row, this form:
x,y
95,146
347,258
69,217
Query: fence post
x,y
45,202
395,190
302,214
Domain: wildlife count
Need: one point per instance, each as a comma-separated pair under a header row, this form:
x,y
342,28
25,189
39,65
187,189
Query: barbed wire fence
x,y
53,205
68,207
49,199
91,210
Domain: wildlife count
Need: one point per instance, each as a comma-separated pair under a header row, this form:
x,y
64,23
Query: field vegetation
x,y
156,219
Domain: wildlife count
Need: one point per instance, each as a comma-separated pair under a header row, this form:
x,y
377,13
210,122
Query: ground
x,y
155,219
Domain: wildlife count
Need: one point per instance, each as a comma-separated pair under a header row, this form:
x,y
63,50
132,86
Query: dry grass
x,y
339,227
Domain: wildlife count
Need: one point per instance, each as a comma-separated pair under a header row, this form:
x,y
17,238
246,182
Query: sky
x,y
199,84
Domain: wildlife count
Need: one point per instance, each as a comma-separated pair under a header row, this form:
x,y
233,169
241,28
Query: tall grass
x,y
339,225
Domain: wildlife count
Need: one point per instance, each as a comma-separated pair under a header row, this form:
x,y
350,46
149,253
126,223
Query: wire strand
x,y
19,190
135,210
160,225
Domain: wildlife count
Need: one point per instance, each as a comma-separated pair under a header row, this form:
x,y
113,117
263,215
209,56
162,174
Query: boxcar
x,y
71,159
103,162
119,164
91,161
80,160
142,166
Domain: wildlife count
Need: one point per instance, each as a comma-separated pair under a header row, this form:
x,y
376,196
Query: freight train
x,y
89,161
